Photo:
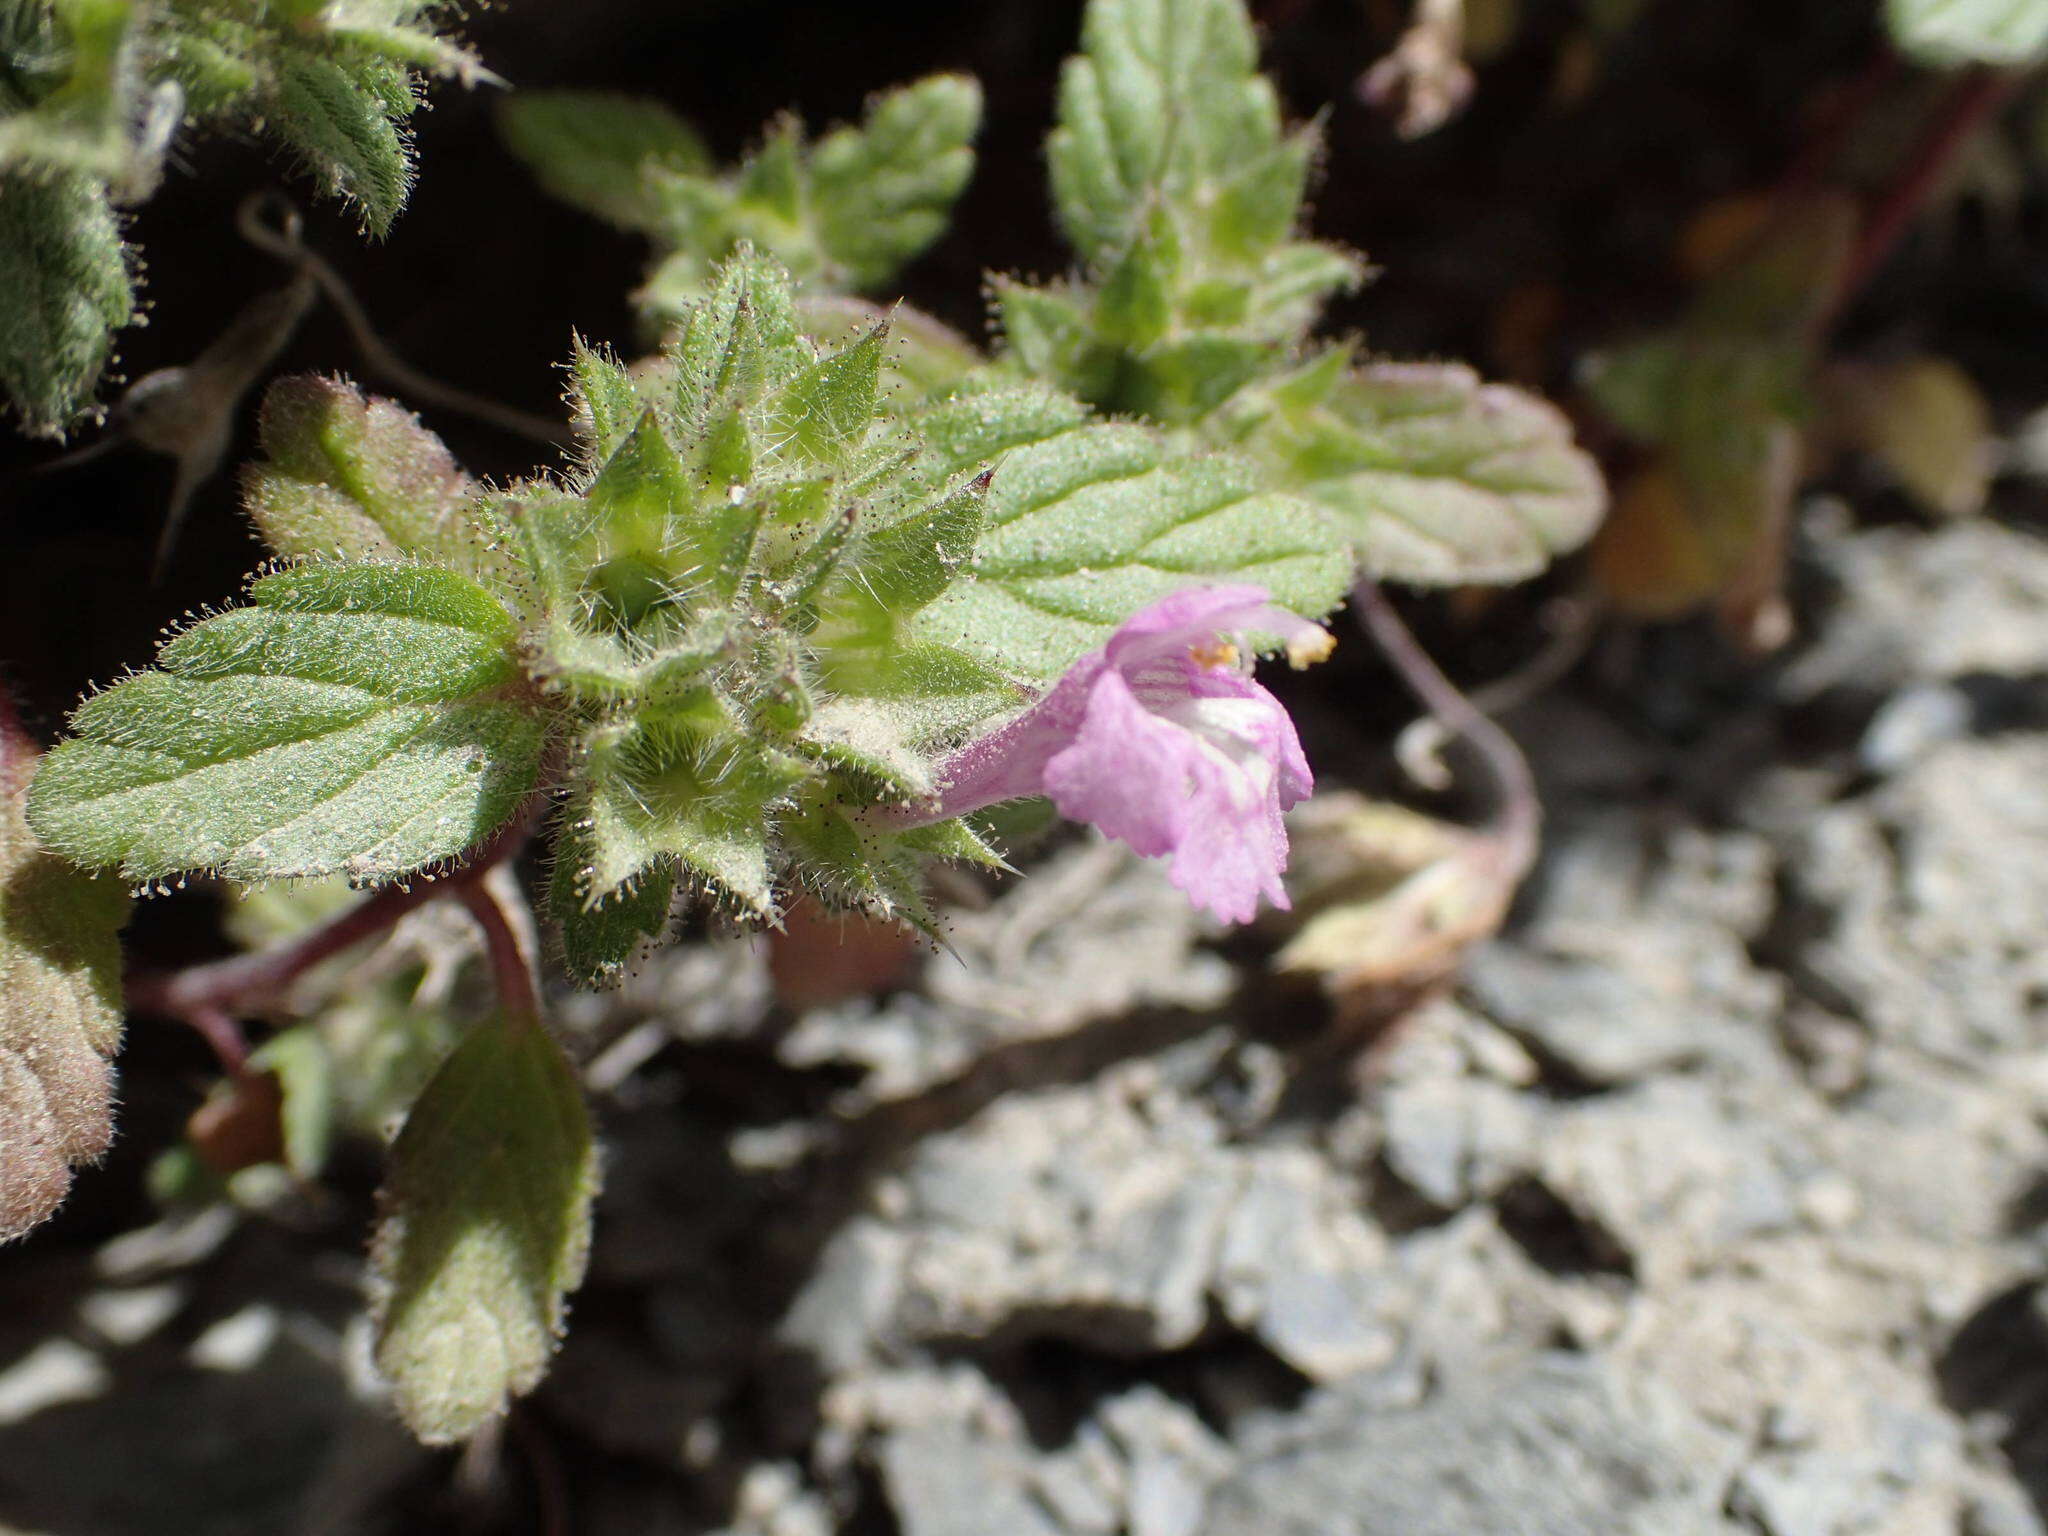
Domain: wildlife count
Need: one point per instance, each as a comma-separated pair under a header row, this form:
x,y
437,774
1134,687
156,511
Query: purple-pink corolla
x,y
1163,739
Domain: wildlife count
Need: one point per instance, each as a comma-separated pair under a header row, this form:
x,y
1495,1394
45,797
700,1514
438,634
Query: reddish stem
x,y
1518,809
218,1028
210,997
1973,101
509,966
1836,126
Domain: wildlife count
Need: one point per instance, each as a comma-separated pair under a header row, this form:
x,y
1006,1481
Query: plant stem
x,y
287,245
509,965
1518,812
217,992
1971,103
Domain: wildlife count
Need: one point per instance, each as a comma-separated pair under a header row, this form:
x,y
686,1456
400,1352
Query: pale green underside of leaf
x,y
358,477
67,289
60,1016
486,1225
1438,478
1088,524
2010,33
351,721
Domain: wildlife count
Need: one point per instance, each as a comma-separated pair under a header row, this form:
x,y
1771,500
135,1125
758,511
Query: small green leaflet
x,y
485,1229
365,720
1177,184
1164,96
2008,33
883,191
602,152
60,1012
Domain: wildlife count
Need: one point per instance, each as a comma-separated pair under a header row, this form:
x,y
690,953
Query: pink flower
x,y
1162,739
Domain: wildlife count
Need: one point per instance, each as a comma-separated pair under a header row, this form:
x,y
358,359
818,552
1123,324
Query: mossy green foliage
x,y
92,95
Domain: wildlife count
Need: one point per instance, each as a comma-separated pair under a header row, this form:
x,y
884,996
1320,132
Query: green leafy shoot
x,y
1183,193
845,212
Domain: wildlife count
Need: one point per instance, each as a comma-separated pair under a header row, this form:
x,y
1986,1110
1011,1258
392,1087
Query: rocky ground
x,y
1711,1199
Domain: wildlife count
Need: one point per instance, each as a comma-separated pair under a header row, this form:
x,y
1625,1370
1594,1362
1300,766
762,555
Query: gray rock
x,y
1556,1446
941,1482
1803,1496
1970,597
2001,1512
1094,933
1456,1140
1924,900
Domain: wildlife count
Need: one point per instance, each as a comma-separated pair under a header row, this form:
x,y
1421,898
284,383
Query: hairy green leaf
x,y
354,719
485,1229
1175,181
2008,33
93,94
1434,476
71,69
1164,98
67,287
342,123
603,152
1089,525
60,1011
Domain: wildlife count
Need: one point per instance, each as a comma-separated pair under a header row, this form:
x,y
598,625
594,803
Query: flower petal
x,y
1126,771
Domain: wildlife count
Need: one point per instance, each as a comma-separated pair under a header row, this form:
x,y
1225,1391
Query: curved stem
x,y
1973,101
509,966
378,357
1518,812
